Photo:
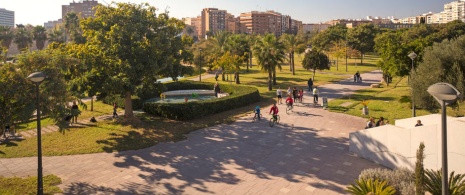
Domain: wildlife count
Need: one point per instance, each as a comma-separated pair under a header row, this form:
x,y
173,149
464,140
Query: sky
x,y
36,12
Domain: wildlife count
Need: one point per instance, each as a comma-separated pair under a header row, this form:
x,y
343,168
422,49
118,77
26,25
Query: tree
x,y
40,36
6,36
71,23
293,44
443,62
56,36
134,52
269,53
238,47
362,38
216,47
23,38
420,171
314,60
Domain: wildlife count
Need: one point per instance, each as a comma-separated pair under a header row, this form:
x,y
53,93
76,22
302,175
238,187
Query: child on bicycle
x,y
289,101
257,112
274,109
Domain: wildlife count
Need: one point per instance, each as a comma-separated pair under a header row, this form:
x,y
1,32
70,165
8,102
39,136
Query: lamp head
x,y
37,77
412,55
444,92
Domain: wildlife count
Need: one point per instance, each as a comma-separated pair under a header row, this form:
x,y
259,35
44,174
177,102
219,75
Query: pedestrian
x,y
115,107
301,95
217,89
216,76
289,91
418,123
315,95
310,84
370,123
380,122
279,93
295,94
74,112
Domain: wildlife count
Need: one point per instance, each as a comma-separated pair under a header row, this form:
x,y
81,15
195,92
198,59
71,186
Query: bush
x,y
402,180
137,103
238,96
368,186
433,182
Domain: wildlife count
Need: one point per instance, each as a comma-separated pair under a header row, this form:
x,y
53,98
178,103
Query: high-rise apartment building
x,y
213,21
195,23
7,17
454,10
262,22
83,8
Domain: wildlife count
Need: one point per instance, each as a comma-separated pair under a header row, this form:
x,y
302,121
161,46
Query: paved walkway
x,y
307,153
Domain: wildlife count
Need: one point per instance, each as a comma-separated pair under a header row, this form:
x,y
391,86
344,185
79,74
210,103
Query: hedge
x,y
238,96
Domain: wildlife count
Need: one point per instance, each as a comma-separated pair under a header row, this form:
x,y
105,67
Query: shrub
x,y
420,171
238,96
401,179
433,182
368,186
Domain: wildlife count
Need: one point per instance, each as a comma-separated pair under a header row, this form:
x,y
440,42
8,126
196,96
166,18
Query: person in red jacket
x,y
274,109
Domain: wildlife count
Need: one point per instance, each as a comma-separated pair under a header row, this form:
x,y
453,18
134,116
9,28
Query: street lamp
x,y
445,94
412,56
37,78
200,64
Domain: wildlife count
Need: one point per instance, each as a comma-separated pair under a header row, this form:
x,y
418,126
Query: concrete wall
x,y
395,146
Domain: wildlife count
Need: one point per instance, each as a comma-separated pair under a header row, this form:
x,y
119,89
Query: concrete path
x,y
307,153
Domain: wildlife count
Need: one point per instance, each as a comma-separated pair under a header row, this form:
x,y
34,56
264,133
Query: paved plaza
x,y
307,153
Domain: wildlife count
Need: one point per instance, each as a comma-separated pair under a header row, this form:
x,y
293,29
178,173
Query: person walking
x,y
289,91
74,112
310,84
115,107
295,94
315,95
279,93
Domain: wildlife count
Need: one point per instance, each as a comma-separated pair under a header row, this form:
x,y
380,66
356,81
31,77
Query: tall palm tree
x,y
269,53
56,35
6,36
23,38
39,34
293,44
71,22
216,47
238,46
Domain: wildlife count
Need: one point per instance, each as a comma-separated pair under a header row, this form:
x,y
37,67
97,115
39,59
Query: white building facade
x,y
7,17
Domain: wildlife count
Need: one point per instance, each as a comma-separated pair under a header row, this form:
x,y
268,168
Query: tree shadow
x,y
83,188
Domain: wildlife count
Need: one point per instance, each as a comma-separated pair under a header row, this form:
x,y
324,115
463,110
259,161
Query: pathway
x,y
307,153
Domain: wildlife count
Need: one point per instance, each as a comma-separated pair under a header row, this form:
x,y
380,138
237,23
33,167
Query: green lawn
x,y
28,185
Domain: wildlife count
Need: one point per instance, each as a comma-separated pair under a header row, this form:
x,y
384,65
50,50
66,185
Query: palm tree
x,y
40,36
6,36
238,46
293,44
71,25
56,35
23,38
217,47
269,53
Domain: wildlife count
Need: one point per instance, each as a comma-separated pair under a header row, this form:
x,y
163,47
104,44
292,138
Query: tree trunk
x,y
222,76
313,77
270,78
128,105
290,62
361,58
293,67
247,64
274,77
250,59
237,78
92,103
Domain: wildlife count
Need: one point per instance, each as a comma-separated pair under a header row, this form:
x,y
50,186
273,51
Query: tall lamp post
x,y
37,78
200,64
445,94
412,56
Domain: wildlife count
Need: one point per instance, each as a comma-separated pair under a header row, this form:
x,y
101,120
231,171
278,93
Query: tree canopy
x,y
315,60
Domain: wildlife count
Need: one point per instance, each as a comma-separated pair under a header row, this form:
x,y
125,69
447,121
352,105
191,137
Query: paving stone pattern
x,y
307,153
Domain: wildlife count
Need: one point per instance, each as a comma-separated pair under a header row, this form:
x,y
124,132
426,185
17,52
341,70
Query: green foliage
x,y
23,38
364,187
362,38
239,96
433,182
323,41
39,34
137,103
315,60
401,179
420,171
443,62
269,52
6,36
20,186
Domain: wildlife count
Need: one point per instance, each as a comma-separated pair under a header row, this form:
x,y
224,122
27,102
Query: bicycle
x,y
256,118
274,121
289,108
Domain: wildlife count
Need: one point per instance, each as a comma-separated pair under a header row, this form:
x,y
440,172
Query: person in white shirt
x,y
315,94
279,93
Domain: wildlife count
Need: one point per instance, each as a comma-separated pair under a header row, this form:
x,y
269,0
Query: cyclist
x,y
257,112
289,101
274,109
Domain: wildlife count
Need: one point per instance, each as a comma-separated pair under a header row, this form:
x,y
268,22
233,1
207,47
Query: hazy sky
x,y
36,12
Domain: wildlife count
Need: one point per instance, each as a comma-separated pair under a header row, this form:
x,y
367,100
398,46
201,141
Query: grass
x,y
28,185
389,102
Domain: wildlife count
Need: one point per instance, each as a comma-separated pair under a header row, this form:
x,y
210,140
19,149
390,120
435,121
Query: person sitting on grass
x,y
289,101
257,112
274,109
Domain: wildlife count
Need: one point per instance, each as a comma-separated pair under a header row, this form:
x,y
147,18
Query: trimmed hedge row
x,y
238,96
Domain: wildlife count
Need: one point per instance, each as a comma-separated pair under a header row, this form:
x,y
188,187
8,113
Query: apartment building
x,y
83,8
256,22
454,10
195,23
213,20
52,24
233,24
7,17
296,26
315,27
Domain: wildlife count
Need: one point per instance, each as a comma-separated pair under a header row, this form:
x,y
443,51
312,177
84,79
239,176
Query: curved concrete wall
x,y
395,146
